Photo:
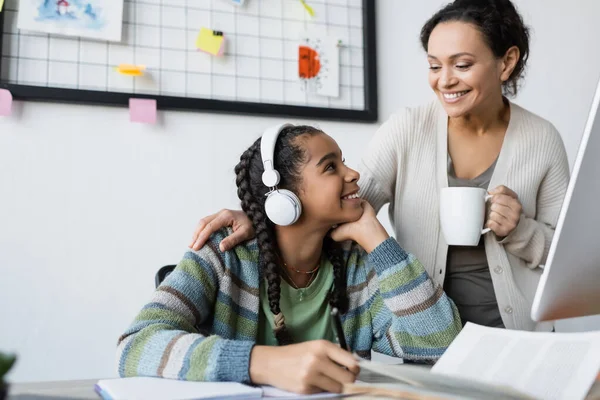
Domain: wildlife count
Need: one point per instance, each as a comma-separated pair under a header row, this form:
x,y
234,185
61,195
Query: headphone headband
x,y
270,175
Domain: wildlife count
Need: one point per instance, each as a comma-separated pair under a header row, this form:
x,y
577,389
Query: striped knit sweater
x,y
202,321
406,166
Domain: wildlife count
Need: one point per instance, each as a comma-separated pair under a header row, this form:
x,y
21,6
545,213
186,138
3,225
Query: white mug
x,y
462,215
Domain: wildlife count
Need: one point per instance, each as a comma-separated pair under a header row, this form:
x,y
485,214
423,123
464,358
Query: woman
x,y
259,313
471,136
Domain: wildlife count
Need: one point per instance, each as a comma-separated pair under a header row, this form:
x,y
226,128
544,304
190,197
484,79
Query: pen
x,y
337,326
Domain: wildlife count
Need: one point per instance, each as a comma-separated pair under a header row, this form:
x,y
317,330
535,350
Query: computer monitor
x,y
570,283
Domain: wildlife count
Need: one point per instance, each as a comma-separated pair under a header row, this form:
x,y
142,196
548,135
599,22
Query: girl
x,y
259,313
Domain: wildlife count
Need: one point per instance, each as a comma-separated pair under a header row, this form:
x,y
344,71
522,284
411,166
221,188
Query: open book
x,y
485,363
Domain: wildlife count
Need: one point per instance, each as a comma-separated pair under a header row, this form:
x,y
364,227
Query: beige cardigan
x,y
406,165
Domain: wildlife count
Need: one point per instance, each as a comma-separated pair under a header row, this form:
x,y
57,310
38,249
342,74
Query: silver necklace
x,y
301,291
299,271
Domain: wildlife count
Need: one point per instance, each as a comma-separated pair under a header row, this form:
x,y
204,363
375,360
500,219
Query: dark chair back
x,y
162,273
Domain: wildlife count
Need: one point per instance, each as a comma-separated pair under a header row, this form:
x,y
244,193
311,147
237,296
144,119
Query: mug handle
x,y
486,230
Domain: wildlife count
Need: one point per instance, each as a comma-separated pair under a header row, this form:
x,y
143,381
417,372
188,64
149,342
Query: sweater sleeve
x,y
532,237
165,340
412,317
379,164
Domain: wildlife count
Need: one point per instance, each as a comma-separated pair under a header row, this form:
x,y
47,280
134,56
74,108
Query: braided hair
x,y
289,157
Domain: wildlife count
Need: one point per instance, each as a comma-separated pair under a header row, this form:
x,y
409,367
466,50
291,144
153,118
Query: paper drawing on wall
x,y
319,65
95,19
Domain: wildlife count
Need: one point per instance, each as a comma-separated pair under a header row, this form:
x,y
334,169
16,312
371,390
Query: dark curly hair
x,y
500,24
288,160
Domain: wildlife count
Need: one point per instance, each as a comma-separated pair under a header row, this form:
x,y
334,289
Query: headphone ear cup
x,y
283,207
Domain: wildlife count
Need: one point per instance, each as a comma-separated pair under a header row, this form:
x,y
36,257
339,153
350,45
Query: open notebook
x,y
156,388
146,388
486,363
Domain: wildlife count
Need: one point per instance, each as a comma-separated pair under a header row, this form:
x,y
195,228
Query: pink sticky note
x,y
5,102
142,110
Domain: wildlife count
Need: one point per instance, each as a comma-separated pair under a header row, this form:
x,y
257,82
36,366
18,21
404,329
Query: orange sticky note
x,y
5,102
131,70
209,41
142,111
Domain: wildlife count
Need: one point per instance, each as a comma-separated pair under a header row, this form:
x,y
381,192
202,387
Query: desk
x,y
84,390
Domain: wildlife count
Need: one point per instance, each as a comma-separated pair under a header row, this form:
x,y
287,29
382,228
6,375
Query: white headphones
x,y
282,206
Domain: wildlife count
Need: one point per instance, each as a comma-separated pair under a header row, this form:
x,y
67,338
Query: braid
x,y
242,179
338,297
265,237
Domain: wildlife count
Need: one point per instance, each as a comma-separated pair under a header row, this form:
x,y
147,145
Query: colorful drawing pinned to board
x,y
212,42
6,100
319,65
142,111
131,70
95,19
308,62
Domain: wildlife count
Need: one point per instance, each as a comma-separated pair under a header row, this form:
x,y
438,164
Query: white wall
x,y
91,205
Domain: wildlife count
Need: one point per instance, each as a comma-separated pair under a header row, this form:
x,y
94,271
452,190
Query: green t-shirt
x,y
306,319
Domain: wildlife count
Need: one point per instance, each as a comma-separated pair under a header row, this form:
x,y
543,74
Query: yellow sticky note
x,y
131,70
210,41
1,4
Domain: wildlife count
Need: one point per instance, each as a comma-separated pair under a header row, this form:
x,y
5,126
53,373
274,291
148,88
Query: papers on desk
x,y
497,363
